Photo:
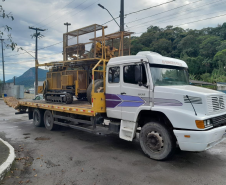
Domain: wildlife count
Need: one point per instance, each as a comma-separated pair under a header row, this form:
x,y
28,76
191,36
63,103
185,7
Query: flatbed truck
x,y
146,96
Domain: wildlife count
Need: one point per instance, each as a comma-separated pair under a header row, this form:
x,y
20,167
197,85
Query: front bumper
x,y
200,140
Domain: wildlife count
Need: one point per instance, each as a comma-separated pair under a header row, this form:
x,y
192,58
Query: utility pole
x,y
3,70
67,24
122,25
122,16
36,35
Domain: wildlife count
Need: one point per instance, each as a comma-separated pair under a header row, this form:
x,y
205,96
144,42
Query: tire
x,y
48,120
156,141
38,118
68,98
98,88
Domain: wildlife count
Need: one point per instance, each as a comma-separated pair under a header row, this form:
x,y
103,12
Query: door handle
x,y
123,93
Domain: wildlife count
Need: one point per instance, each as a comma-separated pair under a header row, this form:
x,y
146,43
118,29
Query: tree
x,y
209,45
220,57
195,65
189,46
222,46
206,62
162,46
5,30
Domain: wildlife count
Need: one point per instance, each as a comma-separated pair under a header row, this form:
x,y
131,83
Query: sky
x,y
52,14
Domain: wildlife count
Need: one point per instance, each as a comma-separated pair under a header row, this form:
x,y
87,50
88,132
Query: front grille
x,y
216,104
219,121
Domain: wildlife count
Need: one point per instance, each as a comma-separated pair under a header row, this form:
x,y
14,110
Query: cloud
x,y
52,15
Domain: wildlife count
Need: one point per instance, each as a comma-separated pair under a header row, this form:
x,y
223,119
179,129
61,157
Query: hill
x,y
203,50
27,79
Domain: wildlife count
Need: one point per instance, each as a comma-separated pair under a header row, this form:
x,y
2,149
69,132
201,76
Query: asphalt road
x,y
69,157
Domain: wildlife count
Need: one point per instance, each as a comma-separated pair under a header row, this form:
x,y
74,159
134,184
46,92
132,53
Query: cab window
x,y
114,74
131,74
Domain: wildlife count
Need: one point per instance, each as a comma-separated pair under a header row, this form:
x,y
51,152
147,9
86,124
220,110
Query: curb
x,y
5,167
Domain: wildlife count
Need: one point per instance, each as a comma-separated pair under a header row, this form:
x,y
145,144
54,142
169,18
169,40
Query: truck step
x,y
127,130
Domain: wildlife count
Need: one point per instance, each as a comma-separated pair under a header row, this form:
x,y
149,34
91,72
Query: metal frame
x,y
82,31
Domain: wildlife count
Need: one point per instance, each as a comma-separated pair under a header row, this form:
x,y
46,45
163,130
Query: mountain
x,y
27,79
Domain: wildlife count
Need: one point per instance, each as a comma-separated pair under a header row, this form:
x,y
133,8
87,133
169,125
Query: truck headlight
x,y
202,124
208,123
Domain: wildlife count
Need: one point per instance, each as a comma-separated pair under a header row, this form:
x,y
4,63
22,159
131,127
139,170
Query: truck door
x,y
134,90
113,91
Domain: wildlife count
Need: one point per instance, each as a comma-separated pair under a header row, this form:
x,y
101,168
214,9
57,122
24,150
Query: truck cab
x,y
151,94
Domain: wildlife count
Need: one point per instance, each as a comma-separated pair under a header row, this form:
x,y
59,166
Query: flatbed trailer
x,y
77,107
78,115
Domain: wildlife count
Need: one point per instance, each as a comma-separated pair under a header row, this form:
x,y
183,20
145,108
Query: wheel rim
x,y
154,141
48,120
36,117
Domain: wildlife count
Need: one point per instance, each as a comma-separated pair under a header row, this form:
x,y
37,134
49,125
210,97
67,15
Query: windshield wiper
x,y
191,104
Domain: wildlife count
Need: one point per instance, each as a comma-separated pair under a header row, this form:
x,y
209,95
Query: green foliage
x,y
162,46
205,77
203,50
220,57
192,77
208,46
222,46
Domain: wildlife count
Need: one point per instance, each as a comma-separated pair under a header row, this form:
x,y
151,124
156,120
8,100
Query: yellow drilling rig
x,y
82,50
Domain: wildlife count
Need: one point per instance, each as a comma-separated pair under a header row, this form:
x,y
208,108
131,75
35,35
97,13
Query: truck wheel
x,y
68,98
99,84
156,141
38,118
48,120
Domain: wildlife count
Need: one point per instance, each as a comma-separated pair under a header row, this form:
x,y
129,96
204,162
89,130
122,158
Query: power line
x,y
30,60
193,16
194,21
202,20
173,15
149,7
140,11
164,11
38,49
110,21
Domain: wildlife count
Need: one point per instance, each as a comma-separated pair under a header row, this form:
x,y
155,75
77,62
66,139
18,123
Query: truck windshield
x,y
164,75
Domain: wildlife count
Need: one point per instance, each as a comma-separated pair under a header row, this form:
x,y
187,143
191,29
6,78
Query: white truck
x,y
146,96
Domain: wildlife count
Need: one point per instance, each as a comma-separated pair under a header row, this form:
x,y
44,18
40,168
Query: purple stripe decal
x,y
112,96
113,100
130,98
112,104
131,104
